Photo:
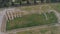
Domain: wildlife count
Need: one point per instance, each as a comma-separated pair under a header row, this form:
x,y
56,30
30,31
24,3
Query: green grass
x,y
31,20
51,17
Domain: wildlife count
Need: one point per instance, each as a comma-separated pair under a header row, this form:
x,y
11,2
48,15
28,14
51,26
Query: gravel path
x,y
1,18
2,13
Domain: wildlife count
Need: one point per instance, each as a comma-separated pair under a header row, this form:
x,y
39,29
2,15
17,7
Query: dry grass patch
x,y
56,6
36,8
30,8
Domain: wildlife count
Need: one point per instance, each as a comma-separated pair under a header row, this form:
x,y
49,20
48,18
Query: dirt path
x,y
27,29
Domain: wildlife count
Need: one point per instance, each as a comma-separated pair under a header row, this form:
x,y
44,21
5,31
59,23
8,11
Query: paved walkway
x,y
1,18
2,13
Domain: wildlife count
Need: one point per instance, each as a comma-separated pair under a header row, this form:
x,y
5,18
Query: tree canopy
x,y
6,3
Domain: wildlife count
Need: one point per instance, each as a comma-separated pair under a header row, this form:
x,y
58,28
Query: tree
x,y
48,1
53,1
42,1
4,3
28,2
35,2
20,2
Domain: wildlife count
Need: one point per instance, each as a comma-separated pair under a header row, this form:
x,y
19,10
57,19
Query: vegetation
x,y
56,6
6,3
36,8
31,20
30,8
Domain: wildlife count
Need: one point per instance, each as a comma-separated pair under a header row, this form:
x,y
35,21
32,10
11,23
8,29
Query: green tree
x,y
28,2
4,3
35,2
42,1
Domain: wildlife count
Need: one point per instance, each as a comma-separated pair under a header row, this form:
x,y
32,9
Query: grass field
x,y
31,20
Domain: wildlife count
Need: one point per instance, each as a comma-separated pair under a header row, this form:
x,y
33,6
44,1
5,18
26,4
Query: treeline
x,y
4,3
7,3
